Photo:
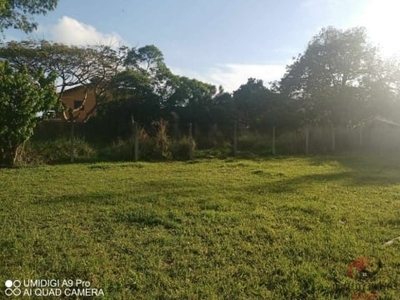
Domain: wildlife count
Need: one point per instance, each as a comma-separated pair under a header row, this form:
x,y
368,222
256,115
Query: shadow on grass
x,y
147,218
364,169
359,170
293,185
354,178
98,198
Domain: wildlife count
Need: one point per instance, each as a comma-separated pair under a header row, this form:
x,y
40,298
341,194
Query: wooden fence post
x,y
307,140
190,141
273,140
136,141
72,141
135,132
235,139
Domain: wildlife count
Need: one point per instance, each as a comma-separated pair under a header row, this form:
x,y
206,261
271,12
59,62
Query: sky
x,y
222,42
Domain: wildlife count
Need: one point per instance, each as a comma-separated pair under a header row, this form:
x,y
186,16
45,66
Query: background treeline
x,y
340,84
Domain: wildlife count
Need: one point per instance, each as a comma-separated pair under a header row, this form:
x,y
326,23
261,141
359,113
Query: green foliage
x,y
154,147
130,95
16,13
258,107
290,143
55,152
182,148
148,58
195,102
281,228
162,141
22,95
90,66
255,143
339,81
328,79
119,150
161,147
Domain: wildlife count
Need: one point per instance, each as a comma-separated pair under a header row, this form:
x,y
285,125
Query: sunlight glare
x,y
382,20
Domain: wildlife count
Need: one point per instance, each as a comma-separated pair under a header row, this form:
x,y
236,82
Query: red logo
x,y
362,269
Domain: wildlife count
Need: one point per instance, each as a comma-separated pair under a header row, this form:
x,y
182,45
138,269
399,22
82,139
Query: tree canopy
x,y
17,14
339,81
73,65
328,78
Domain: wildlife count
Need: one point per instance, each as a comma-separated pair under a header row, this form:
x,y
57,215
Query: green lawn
x,y
279,228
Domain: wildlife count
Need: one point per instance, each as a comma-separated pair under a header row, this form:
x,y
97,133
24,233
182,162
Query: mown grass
x,y
278,228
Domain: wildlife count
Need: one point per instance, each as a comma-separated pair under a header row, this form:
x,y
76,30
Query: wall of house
x,y
78,94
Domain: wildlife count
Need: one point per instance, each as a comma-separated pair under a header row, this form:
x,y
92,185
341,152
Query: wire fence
x,y
377,137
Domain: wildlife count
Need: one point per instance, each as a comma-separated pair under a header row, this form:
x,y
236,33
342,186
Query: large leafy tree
x,y
381,90
92,66
17,14
130,96
192,100
257,106
135,92
22,95
149,61
325,82
223,112
73,65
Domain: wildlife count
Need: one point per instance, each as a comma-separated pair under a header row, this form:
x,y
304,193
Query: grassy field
x,y
278,228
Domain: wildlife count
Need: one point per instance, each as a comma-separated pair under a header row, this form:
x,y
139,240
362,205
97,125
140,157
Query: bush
x,y
118,150
255,143
291,142
162,141
57,151
146,146
221,152
182,149
157,147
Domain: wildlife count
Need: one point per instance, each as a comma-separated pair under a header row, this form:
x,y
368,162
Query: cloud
x,y
232,76
72,32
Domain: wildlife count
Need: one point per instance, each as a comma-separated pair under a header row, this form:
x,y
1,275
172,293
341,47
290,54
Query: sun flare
x,y
382,20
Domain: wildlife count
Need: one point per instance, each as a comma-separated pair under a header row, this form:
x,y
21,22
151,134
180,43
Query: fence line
x,y
315,140
273,140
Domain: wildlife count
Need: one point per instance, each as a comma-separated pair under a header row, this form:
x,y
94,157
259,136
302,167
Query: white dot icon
x,y
9,283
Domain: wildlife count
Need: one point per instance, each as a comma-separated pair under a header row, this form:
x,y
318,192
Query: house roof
x,y
77,87
386,121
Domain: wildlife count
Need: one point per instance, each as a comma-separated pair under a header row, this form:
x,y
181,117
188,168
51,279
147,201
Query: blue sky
x,y
222,42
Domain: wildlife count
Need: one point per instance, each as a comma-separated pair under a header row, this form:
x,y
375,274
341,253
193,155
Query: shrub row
x,y
157,147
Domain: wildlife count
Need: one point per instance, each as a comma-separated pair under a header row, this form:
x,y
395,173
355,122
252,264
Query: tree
x,y
256,106
16,13
92,67
130,95
223,113
73,65
22,95
192,100
382,90
149,60
328,78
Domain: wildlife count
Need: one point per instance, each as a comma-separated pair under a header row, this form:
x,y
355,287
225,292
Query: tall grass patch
x,y
55,151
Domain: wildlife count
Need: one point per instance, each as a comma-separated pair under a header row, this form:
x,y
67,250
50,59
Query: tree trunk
x,y
8,156
72,150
